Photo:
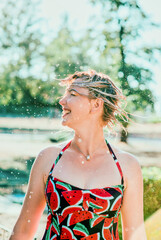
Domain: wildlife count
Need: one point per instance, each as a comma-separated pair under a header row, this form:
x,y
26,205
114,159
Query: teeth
x,y
66,111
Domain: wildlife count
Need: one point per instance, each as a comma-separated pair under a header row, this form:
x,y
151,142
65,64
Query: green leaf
x,y
82,228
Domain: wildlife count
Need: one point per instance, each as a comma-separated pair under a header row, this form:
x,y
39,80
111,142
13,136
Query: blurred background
x,y
45,40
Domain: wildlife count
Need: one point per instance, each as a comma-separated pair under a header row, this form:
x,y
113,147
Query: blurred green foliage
x,y
124,22
28,80
30,65
152,192
21,52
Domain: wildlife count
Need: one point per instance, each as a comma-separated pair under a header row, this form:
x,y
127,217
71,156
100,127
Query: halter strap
x,y
116,161
110,149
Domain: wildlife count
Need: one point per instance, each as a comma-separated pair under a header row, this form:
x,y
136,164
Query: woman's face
x,y
76,106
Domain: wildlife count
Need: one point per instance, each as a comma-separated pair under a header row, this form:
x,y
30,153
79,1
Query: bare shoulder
x,y
47,156
129,164
126,159
50,152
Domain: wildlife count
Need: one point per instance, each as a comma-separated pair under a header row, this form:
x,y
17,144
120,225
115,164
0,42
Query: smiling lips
x,y
65,112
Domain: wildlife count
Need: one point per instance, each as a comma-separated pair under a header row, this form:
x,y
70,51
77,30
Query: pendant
x,y
88,157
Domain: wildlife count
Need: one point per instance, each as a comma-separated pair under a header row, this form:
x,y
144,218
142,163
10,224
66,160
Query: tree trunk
x,y
124,136
124,132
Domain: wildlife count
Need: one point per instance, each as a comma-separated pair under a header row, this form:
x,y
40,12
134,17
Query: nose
x,y
62,100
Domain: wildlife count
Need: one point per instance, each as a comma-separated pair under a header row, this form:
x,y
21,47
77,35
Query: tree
x,y
124,21
64,54
22,81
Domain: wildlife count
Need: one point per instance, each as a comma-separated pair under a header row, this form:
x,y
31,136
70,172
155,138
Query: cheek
x,y
83,107
78,106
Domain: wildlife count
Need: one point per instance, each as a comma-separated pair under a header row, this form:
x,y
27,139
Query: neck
x,y
89,141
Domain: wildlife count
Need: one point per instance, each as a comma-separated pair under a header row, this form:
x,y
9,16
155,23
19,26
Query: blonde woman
x,y
85,183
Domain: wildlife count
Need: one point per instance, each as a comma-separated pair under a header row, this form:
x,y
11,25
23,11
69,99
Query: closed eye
x,y
72,93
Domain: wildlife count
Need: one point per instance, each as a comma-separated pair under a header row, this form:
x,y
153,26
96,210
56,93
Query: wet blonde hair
x,y
100,85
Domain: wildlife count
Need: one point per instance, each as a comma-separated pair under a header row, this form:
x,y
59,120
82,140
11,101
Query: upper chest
x,y
100,172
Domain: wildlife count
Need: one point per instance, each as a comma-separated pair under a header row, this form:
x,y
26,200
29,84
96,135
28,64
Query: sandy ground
x,y
144,142
153,226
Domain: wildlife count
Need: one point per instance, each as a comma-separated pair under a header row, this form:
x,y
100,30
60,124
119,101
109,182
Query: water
x,y
16,197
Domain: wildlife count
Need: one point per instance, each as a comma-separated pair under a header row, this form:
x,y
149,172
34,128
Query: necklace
x,y
87,157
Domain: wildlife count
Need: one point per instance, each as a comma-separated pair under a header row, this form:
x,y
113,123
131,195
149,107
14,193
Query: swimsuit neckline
x,y
85,189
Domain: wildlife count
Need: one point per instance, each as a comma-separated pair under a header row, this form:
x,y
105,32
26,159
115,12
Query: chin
x,y
64,122
67,124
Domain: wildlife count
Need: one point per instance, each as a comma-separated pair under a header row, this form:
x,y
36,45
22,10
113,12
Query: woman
x,y
89,184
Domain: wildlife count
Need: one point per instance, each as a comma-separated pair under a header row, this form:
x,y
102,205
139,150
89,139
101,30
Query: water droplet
x,y
82,162
120,74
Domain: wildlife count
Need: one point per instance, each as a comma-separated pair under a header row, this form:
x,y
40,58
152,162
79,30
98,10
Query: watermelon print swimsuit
x,y
76,213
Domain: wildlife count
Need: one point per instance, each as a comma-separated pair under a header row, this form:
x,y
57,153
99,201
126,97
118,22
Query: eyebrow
x,y
72,89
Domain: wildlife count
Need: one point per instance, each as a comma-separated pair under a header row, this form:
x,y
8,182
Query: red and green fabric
x,y
75,213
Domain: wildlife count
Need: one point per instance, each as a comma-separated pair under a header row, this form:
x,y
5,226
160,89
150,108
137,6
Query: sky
x,y
79,12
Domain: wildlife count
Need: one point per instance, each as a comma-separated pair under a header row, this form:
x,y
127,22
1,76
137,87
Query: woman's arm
x,y
132,208
34,203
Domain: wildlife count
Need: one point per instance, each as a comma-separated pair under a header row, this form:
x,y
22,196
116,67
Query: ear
x,y
96,104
